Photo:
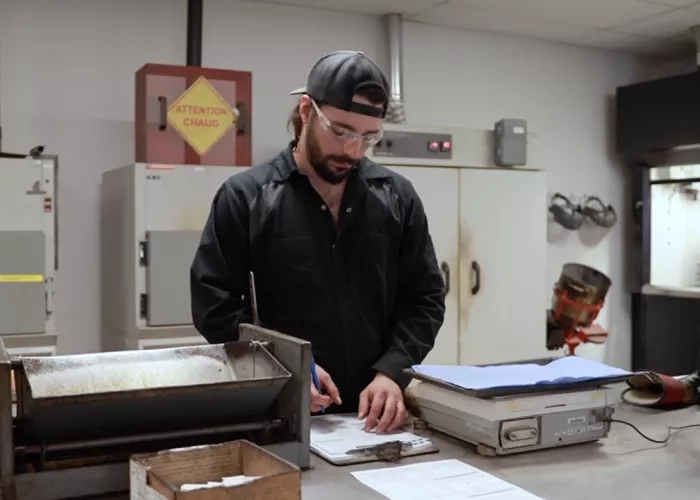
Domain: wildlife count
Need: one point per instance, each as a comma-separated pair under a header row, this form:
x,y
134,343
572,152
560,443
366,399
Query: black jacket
x,y
368,295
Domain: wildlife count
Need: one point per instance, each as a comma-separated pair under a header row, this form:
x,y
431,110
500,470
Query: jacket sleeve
x,y
220,269
419,308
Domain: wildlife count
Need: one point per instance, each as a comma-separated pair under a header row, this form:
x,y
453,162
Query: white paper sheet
x,y
226,482
332,436
566,370
441,480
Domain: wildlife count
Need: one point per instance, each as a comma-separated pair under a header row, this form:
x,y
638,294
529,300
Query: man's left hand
x,y
382,398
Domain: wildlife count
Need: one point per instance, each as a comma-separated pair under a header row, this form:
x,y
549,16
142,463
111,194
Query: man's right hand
x,y
329,392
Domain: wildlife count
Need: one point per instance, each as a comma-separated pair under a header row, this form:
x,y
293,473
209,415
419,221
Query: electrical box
x,y
510,143
411,145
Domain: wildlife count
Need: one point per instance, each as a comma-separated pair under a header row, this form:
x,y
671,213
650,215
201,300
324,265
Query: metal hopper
x,y
120,393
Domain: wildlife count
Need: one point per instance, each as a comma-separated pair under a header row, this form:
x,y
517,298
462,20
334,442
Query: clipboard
x,y
340,440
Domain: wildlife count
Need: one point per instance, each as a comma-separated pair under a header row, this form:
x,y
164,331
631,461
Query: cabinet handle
x,y
162,112
242,120
445,267
477,277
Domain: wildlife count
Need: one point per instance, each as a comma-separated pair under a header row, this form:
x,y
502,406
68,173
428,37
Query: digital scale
x,y
504,421
508,421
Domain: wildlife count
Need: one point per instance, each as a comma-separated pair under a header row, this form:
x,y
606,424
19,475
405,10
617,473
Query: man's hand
x,y
329,392
383,397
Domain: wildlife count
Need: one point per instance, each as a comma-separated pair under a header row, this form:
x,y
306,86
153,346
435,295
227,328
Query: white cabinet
x,y
438,189
503,276
489,230
170,342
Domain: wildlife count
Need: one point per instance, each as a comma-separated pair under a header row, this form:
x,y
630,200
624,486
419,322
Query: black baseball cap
x,y
337,77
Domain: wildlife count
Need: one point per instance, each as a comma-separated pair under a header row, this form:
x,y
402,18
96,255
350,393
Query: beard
x,y
320,162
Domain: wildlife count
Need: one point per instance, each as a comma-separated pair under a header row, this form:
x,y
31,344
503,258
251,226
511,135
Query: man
x,y
339,247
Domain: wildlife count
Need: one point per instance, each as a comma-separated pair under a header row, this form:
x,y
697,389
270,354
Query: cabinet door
x,y
503,279
21,195
438,189
22,247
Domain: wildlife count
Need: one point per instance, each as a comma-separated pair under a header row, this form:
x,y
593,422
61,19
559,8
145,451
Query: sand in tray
x,y
110,376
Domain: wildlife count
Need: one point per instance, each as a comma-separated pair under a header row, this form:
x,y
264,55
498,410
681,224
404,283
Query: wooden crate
x,y
161,475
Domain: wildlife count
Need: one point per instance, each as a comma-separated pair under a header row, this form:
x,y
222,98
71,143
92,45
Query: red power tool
x,y
579,295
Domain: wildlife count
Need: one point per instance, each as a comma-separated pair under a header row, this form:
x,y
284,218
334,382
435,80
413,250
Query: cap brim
x,y
300,90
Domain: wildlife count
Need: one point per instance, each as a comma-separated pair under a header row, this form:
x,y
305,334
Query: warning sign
x,y
201,116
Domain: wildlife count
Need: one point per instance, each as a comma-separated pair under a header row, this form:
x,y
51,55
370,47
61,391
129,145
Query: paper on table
x,y
566,370
334,435
226,482
441,480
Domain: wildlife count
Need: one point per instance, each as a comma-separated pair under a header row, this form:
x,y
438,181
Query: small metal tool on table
x,y
387,452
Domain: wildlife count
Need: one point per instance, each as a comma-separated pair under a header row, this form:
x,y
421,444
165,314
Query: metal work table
x,y
624,465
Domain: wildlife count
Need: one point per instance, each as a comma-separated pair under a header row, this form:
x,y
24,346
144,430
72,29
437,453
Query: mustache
x,y
343,159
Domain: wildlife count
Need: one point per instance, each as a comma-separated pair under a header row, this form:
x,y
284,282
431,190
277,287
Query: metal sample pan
x,y
121,393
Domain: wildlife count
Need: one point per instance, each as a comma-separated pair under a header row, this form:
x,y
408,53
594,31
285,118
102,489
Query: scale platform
x,y
515,420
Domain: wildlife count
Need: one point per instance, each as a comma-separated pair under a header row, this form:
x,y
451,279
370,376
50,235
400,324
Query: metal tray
x,y
120,393
519,390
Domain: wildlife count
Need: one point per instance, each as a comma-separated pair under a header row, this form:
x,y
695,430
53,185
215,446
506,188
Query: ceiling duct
x,y
394,30
688,62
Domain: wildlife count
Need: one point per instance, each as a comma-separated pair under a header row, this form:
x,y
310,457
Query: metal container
x,y
583,286
129,392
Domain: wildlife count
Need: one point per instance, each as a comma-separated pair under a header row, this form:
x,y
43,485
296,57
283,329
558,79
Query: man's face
x,y
336,140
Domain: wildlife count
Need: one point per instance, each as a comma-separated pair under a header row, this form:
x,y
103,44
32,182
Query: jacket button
x,y
348,210
323,207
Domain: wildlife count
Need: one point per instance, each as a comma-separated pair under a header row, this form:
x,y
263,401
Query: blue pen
x,y
314,378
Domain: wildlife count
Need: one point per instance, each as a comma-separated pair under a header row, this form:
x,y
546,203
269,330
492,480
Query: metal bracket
x,y
386,452
260,343
143,305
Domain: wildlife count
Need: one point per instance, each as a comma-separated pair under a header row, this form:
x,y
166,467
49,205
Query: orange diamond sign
x,y
201,116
